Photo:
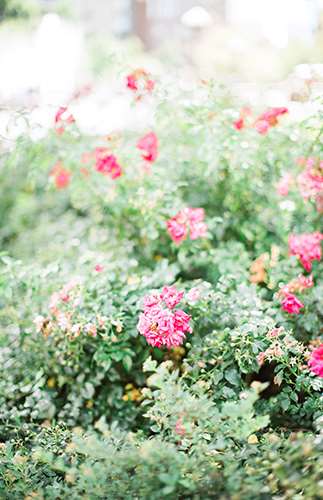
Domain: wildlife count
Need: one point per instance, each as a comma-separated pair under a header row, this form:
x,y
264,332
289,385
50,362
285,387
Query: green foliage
x,y
87,408
18,8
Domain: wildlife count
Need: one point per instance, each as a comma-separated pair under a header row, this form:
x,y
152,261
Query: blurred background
x,y
61,51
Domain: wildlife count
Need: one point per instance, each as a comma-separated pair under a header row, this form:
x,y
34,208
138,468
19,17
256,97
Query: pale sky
x,y
277,20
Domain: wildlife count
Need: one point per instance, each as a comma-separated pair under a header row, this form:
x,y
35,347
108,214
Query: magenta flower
x,y
291,304
316,361
238,124
132,82
107,164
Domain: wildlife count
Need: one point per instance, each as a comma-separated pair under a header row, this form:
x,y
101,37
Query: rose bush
x,y
161,304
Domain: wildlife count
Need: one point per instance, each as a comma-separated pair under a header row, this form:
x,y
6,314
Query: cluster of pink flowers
x,y
149,147
310,181
161,323
63,307
307,247
69,293
64,295
275,332
104,162
63,118
107,163
263,122
298,284
275,351
282,344
187,222
140,82
315,362
61,176
269,119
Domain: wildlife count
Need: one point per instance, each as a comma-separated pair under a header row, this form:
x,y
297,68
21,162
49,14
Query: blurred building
x,y
164,17
157,21
154,21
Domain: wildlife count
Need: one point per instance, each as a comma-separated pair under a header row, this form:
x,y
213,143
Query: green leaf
x,y
127,363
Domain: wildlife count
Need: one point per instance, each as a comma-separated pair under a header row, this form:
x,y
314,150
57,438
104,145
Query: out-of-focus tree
x,y
17,8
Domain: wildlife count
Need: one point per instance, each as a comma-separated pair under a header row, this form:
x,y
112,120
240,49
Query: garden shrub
x,y
202,234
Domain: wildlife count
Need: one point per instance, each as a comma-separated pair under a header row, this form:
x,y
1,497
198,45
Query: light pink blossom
x,y
179,427
261,358
298,284
171,296
176,230
149,147
284,184
188,221
152,300
310,181
193,295
275,332
262,127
